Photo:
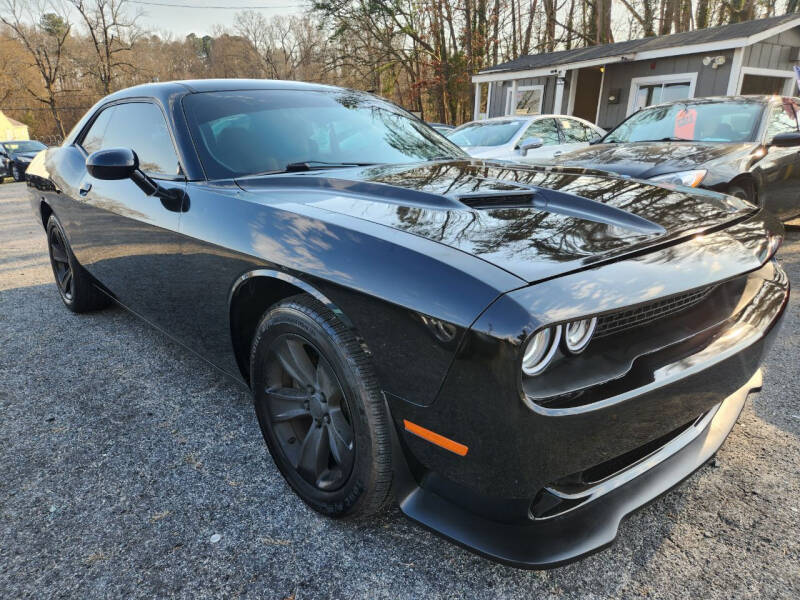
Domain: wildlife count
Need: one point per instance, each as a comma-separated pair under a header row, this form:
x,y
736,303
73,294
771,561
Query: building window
x,y
766,81
647,91
529,100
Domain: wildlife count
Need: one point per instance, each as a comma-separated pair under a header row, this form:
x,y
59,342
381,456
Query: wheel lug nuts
x,y
327,418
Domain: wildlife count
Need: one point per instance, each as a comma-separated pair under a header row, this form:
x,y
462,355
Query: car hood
x,y
649,159
534,222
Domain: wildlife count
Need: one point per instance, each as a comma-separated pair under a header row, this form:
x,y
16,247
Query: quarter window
x,y
546,129
141,127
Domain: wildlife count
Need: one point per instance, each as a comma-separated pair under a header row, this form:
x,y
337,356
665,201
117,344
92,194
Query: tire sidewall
x,y
53,223
290,319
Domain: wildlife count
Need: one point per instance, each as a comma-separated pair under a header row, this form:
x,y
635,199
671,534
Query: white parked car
x,y
524,138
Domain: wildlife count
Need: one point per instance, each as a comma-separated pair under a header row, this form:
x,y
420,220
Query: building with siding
x,y
605,84
11,129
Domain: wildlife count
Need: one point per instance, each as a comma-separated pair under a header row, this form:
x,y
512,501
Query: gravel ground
x,y
129,468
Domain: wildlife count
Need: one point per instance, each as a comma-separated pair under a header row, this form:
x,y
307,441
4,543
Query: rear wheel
x,y
74,284
320,409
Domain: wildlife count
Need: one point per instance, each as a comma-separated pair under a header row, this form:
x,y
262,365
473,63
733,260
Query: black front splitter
x,y
542,544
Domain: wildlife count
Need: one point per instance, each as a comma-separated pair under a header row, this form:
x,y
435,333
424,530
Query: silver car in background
x,y
524,138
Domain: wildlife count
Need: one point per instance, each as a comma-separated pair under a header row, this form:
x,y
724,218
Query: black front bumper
x,y
547,543
540,487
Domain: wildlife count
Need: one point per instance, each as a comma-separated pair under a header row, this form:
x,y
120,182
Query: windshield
x,y
27,146
701,122
260,131
486,133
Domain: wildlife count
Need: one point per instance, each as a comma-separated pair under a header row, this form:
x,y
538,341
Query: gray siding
x,y
499,94
776,52
710,82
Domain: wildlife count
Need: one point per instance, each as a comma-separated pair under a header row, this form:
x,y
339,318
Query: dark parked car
x,y
747,146
15,156
519,357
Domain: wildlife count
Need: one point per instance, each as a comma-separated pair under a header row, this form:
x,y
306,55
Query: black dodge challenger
x,y
519,357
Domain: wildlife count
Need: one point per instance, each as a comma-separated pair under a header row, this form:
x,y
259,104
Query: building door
x,y
587,93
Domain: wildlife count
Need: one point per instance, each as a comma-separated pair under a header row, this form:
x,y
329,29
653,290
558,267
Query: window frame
x,y
638,82
511,112
78,141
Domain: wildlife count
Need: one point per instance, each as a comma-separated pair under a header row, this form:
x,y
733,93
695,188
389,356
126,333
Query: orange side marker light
x,y
435,438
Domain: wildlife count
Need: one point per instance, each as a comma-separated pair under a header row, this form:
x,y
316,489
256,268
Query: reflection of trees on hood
x,y
539,232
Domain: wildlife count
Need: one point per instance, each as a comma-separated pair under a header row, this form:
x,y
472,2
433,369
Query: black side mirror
x,y
787,139
115,164
112,164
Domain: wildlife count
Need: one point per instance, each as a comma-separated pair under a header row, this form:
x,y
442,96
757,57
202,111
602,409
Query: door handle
x,y
85,189
558,153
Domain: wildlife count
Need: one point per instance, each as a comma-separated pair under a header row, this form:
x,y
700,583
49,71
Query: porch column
x,y
559,93
489,100
477,110
512,109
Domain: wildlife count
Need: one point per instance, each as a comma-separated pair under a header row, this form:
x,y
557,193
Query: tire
x,y
16,174
74,284
320,409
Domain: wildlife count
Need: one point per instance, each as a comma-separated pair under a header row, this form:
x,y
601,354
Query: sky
x,y
189,16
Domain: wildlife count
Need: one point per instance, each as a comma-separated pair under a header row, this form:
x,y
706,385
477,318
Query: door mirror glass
x,y
786,139
530,143
112,164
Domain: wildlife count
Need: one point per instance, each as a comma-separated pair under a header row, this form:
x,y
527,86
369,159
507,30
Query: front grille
x,y
646,313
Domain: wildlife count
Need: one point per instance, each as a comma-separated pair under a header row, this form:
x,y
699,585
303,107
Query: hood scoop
x,y
564,204
505,199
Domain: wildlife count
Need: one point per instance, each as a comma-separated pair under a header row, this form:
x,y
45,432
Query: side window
x,y
574,131
141,127
545,129
93,140
782,120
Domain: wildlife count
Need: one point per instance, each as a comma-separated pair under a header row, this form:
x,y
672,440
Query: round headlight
x,y
578,334
540,350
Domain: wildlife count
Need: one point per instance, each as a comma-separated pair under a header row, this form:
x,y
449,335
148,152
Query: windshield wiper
x,y
668,139
311,165
308,165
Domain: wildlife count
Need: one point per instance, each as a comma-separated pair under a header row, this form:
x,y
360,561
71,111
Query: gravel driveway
x,y
130,468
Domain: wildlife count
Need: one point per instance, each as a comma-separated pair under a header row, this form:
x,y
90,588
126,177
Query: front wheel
x,y
16,173
320,409
74,284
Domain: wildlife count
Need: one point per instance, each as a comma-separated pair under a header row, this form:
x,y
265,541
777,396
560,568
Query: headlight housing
x,y
540,349
687,178
578,334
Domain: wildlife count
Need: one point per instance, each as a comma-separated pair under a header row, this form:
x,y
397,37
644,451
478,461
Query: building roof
x,y
724,33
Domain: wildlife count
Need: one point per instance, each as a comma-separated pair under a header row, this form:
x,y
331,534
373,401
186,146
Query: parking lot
x,y
130,468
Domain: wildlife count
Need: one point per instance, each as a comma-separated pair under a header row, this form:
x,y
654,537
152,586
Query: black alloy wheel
x,y
59,260
309,414
321,410
75,285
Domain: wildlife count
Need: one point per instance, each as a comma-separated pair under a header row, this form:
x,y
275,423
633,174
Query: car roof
x,y
168,88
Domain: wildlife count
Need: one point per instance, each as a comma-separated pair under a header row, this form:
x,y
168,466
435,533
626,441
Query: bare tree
x,y
113,31
42,28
